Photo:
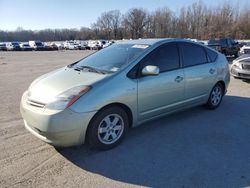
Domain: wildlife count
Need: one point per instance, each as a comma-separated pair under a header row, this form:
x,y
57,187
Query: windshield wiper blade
x,y
90,69
72,64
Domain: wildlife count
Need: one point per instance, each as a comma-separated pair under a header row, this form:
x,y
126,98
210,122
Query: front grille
x,y
246,51
246,66
35,103
244,75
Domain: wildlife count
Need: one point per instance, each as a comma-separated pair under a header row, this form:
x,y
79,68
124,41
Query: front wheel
x,y
215,97
107,128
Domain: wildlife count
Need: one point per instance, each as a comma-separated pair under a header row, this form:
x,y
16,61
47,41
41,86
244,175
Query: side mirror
x,y
150,70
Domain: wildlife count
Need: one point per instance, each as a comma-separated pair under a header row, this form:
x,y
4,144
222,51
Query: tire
x,y
107,129
216,96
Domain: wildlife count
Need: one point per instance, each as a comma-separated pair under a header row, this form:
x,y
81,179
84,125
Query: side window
x,y
166,57
192,54
212,56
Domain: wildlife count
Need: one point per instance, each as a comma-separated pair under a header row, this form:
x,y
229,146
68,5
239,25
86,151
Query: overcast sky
x,y
41,14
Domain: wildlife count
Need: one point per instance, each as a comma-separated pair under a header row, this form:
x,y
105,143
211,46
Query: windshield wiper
x,y
90,69
72,64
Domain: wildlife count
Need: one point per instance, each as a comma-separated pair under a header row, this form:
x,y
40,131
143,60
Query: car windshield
x,y
248,44
113,58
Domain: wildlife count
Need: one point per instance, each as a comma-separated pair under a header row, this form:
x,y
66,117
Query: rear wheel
x,y
215,97
108,128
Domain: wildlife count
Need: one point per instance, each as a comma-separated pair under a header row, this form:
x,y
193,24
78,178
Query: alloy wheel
x,y
110,129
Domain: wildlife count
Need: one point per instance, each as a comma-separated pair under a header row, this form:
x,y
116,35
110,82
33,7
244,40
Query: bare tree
x,y
162,22
135,21
182,26
115,23
194,21
243,24
108,23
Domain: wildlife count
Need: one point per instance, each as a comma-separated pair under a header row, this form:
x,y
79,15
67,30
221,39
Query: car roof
x,y
151,41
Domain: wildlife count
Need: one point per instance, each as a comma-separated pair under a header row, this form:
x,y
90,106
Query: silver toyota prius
x,y
97,98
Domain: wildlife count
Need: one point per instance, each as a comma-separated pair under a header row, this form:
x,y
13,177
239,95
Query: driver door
x,y
161,93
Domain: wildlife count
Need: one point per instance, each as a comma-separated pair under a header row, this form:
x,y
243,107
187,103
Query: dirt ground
x,y
194,148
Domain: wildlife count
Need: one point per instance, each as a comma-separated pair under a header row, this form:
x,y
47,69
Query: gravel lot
x,y
194,148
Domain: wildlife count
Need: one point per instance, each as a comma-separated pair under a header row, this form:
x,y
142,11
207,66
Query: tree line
x,y
194,21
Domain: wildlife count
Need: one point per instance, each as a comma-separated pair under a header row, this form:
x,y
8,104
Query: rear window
x,y
212,56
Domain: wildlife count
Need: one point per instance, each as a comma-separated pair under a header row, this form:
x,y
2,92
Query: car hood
x,y
48,86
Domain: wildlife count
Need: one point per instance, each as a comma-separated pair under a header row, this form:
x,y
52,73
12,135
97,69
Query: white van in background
x,y
36,45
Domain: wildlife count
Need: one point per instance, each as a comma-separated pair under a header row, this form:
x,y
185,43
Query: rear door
x,y
199,73
161,93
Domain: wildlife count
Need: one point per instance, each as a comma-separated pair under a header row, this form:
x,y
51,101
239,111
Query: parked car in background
x,y
109,43
196,40
48,46
3,47
54,46
82,45
98,98
25,47
95,44
245,49
92,45
37,45
241,67
70,45
13,46
227,46
242,43
59,45
101,44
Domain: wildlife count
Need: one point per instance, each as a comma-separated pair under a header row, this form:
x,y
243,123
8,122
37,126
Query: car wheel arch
x,y
125,108
120,105
223,85
210,104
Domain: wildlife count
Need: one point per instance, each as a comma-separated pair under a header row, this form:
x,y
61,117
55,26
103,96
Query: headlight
x,y
67,98
238,65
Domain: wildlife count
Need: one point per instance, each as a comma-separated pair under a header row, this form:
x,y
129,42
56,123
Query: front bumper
x,y
59,128
240,73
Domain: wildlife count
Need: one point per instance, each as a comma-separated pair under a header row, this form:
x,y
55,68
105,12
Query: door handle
x,y
211,71
178,79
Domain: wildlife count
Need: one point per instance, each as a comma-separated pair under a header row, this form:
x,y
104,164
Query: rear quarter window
x,y
212,56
